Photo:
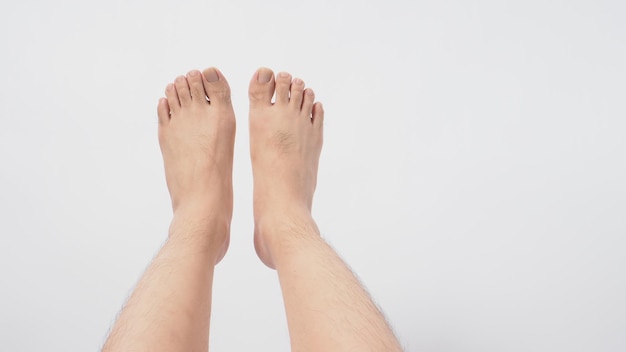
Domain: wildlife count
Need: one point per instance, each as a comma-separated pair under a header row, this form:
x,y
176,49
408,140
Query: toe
x,y
182,88
307,103
163,111
172,98
283,82
194,78
216,87
297,88
318,115
262,87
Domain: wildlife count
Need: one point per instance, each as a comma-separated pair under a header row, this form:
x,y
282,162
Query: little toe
x,y
182,88
283,82
262,87
297,88
307,103
194,78
172,98
318,115
163,111
216,87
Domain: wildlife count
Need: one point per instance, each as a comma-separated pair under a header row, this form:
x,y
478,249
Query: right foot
x,y
285,145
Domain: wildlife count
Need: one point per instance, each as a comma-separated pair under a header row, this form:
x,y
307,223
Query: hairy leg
x,y
327,308
170,308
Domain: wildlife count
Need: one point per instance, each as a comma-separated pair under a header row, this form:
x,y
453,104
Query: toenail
x,y
283,75
264,76
180,78
298,81
170,87
192,73
309,92
211,75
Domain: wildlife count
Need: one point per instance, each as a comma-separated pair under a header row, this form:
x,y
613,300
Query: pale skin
x,y
327,308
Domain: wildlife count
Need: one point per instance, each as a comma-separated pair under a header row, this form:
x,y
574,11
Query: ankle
x,y
285,229
200,225
213,208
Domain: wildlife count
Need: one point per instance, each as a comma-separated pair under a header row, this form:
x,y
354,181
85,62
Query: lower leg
x,y
327,308
170,307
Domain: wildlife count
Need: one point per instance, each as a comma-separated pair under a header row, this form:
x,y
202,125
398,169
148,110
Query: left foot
x,y
196,135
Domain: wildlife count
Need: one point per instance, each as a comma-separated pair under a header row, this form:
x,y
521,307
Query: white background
x,y
473,172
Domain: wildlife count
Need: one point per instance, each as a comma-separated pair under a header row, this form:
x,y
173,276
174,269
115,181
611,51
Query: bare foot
x,y
196,135
285,145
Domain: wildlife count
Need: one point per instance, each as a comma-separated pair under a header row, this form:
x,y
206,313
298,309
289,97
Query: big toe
x,y
216,87
262,87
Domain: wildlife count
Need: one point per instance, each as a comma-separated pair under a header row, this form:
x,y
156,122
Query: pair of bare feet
x,y
197,134
169,310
